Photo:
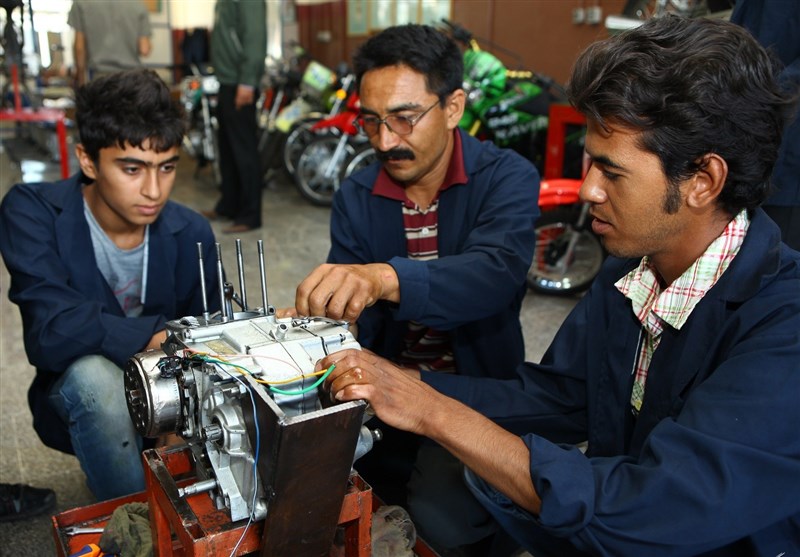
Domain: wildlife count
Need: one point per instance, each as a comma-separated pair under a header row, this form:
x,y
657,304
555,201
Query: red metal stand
x,y
203,530
192,526
51,115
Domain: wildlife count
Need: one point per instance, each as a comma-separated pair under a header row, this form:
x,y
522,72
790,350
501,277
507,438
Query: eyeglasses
x,y
401,125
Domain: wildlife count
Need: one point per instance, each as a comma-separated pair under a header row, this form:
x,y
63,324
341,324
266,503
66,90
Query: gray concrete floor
x,y
295,236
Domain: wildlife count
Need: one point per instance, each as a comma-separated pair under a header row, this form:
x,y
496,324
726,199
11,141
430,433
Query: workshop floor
x,y
295,235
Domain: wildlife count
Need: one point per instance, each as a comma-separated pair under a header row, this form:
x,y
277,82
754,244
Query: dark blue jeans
x,y
90,398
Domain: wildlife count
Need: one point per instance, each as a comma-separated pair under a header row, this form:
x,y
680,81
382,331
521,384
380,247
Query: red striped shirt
x,y
425,348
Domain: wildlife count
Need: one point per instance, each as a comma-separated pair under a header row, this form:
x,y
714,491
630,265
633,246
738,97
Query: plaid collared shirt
x,y
656,308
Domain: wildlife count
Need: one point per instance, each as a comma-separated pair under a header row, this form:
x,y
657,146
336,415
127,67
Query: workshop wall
x,y
541,32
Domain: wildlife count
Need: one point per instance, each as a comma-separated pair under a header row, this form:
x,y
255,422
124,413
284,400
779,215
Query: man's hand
x,y
344,291
283,313
157,340
402,400
396,394
245,94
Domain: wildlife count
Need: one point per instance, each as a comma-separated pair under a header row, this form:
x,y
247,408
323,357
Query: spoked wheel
x,y
298,139
365,156
565,260
645,9
316,179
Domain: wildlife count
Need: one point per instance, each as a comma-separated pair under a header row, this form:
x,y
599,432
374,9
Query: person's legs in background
x,y
444,511
239,162
90,398
230,194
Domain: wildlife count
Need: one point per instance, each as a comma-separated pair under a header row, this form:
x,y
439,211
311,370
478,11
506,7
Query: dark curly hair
x,y
693,87
421,48
128,107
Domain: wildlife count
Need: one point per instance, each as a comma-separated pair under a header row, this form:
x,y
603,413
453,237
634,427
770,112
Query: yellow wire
x,y
246,372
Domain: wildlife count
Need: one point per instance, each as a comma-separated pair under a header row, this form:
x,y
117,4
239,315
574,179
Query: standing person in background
x,y
776,25
238,49
109,36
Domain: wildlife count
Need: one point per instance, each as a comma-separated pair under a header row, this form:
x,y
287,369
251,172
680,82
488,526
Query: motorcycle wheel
x,y
365,156
298,139
553,231
314,160
646,9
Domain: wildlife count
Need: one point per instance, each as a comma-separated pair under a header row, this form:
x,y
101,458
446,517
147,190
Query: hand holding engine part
x,y
397,395
238,386
344,291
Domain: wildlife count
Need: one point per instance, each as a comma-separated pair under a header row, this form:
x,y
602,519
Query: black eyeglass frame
x,y
410,120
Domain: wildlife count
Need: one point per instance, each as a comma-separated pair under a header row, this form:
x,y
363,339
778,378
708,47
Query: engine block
x,y
239,387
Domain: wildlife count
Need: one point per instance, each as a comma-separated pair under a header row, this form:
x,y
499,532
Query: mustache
x,y
394,155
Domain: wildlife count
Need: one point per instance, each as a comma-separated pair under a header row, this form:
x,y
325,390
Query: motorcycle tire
x,y
365,156
314,160
646,9
298,139
553,230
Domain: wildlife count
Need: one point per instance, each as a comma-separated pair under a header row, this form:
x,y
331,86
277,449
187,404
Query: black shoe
x,y
18,501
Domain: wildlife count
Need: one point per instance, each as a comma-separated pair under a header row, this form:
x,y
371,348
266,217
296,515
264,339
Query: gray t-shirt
x,y
112,29
125,271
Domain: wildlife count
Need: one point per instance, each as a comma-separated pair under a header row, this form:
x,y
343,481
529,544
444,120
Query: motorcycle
x,y
567,255
337,150
305,130
635,12
198,96
292,98
508,107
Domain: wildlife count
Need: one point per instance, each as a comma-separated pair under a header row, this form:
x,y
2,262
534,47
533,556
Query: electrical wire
x,y
323,374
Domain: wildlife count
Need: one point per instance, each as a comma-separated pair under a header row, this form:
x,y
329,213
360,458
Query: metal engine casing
x,y
202,401
208,384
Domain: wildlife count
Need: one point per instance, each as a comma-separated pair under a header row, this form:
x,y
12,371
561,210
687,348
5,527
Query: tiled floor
x,y
295,236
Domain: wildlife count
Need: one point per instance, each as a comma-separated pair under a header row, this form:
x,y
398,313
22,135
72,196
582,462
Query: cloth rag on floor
x,y
393,532
128,534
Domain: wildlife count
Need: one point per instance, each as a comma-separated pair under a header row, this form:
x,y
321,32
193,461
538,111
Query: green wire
x,y
316,384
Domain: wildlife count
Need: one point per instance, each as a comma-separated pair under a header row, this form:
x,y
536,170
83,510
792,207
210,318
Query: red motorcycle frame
x,y
339,150
568,255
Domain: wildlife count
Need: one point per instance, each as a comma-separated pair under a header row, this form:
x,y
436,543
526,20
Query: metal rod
x,y
206,315
221,279
240,265
263,272
199,487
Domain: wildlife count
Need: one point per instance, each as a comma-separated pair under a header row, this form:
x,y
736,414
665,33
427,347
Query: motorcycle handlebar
x,y
459,33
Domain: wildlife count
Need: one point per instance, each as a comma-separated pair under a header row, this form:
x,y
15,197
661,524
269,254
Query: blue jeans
x,y
90,398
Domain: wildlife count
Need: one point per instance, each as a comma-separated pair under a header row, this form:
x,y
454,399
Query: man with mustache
x,y
98,263
681,365
430,246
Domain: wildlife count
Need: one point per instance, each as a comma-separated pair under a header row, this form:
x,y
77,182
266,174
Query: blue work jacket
x,y
711,466
476,286
68,310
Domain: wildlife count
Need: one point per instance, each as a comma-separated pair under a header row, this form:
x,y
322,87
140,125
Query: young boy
x,y
98,264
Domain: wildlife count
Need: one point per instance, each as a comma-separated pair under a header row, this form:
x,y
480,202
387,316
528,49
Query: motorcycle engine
x,y
212,370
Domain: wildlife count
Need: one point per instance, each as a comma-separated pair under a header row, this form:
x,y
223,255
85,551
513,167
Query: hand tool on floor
x,y
75,530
